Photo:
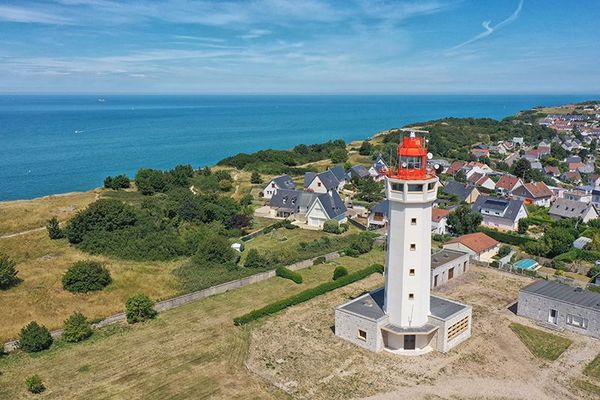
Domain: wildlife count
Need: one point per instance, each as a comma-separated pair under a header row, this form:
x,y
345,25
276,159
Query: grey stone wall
x,y
442,271
538,308
347,326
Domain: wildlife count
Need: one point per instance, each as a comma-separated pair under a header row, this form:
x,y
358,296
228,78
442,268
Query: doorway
x,y
451,273
553,317
409,342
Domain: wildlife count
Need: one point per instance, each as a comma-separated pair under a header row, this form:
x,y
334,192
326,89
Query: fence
x,y
199,295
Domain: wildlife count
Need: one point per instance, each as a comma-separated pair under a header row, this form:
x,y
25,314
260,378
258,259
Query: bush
x,y
225,185
86,276
246,199
319,260
504,251
285,273
307,295
505,237
77,328
338,272
139,308
523,226
256,178
34,384
102,215
331,226
117,182
53,228
255,260
8,272
34,338
360,244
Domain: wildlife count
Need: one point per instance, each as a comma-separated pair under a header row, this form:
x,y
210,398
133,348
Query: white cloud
x,y
255,34
25,15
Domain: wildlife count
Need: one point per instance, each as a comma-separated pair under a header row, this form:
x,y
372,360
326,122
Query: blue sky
x,y
302,46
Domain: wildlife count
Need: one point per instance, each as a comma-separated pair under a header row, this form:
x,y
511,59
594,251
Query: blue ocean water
x,y
56,144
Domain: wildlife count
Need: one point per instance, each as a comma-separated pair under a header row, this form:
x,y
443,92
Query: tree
x,y
523,225
365,148
34,384
339,155
139,308
34,338
117,182
338,272
463,220
557,151
101,215
225,185
53,228
77,328
369,190
255,260
8,272
256,178
86,276
593,146
522,169
150,181
246,199
460,176
504,250
331,226
214,249
558,240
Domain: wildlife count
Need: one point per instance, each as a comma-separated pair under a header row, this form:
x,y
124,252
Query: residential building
x,y
464,192
358,172
279,182
310,208
572,177
500,213
323,182
566,307
563,208
439,218
455,167
478,245
481,180
378,169
596,197
578,195
534,193
446,265
325,207
507,184
378,217
552,171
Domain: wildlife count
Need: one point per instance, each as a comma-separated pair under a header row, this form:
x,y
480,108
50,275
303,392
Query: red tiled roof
x,y
507,182
538,190
552,170
454,167
438,213
478,241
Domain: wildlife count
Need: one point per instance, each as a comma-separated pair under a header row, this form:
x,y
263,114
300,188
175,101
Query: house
x,y
378,169
536,165
340,174
511,159
518,140
464,192
578,195
572,177
279,182
446,265
439,217
593,180
563,208
478,245
534,193
507,184
481,180
552,171
477,167
455,167
326,206
500,213
586,168
378,217
358,172
479,153
322,183
574,162
596,197
291,203
563,306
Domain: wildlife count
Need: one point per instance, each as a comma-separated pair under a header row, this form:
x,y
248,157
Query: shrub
x,y
360,244
8,272
256,178
283,272
307,295
214,249
339,155
505,237
504,251
77,328
102,215
117,182
150,181
523,225
139,308
338,272
225,185
34,338
34,384
255,260
53,228
86,276
331,226
319,260
246,199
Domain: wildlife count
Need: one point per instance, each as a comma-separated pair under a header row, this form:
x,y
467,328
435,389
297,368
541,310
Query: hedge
x,y
506,237
307,295
576,254
283,272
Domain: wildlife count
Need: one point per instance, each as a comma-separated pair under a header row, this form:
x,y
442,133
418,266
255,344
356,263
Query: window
x,y
319,184
411,272
398,187
362,334
431,186
413,247
413,221
415,188
411,296
577,321
411,162
458,328
272,185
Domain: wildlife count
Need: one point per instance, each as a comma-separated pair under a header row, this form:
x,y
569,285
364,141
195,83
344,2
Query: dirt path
x,y
10,235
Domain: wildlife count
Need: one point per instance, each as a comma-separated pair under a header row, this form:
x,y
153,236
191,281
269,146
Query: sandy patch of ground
x,y
298,352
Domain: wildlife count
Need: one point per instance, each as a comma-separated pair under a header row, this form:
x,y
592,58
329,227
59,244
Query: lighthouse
x,y
403,317
410,190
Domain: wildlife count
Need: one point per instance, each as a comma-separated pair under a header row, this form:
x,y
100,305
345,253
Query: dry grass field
x,y
192,352
297,352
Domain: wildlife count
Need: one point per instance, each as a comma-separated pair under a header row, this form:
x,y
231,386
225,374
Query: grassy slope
x,y
190,352
542,344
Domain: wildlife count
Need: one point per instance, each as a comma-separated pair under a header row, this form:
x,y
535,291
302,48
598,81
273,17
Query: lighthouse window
x,y
413,246
415,188
411,271
413,221
398,187
431,186
411,162
411,296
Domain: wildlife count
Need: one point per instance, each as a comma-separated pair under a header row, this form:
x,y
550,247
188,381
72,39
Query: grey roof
x,y
358,171
339,172
573,159
381,207
581,242
292,200
443,308
333,204
458,189
445,256
512,206
328,179
308,178
569,208
564,293
284,182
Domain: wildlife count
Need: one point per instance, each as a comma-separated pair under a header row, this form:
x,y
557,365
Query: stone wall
x,y
347,326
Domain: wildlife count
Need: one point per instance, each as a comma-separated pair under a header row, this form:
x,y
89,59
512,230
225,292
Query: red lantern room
x,y
412,159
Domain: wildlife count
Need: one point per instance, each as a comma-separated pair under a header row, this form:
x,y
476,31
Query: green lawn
x,y
593,369
542,344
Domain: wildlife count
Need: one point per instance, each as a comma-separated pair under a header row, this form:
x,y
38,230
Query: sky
x,y
300,46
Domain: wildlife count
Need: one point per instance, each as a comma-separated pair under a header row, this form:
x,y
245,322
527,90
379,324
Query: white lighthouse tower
x,y
403,317
411,191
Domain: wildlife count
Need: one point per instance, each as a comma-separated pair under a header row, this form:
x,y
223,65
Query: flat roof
x,y
565,293
445,256
425,329
370,306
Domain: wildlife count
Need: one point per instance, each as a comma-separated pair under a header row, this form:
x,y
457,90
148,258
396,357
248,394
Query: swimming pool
x,y
526,263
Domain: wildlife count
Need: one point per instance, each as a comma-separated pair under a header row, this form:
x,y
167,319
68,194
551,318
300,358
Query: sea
x,y
57,144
